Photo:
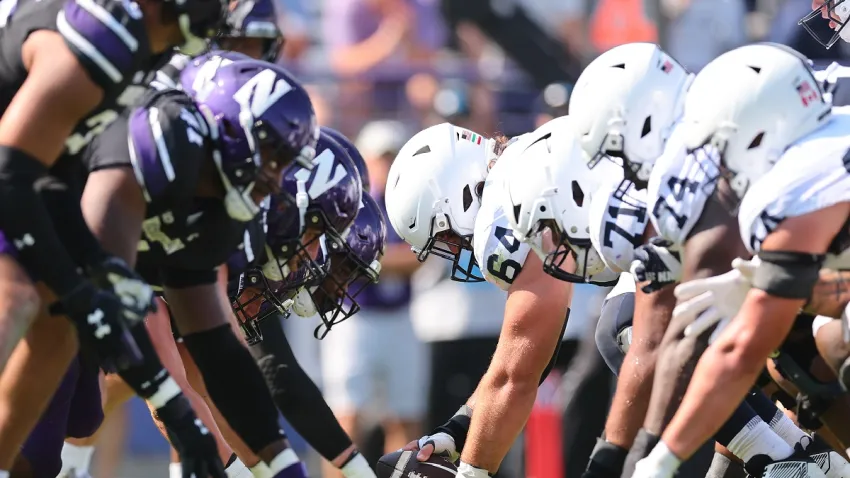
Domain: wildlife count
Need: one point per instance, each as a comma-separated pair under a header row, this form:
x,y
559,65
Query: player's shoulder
x,y
107,36
618,220
812,174
168,138
679,187
499,255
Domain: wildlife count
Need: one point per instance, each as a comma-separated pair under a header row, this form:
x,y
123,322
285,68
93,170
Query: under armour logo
x,y
201,427
25,241
96,319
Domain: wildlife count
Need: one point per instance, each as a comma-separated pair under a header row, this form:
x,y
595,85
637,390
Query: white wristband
x,y
465,470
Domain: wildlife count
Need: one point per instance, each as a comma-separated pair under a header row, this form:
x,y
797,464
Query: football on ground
x,y
403,464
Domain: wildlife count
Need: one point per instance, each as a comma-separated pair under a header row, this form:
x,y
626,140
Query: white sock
x,y
77,458
786,429
237,469
175,470
260,470
283,460
756,438
357,467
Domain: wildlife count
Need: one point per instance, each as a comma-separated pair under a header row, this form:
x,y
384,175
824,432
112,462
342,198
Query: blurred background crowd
x,y
379,70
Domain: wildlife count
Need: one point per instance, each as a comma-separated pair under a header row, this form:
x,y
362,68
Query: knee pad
x,y
613,333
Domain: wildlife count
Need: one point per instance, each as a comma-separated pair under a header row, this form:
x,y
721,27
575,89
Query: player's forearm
x,y
831,294
728,369
502,406
707,403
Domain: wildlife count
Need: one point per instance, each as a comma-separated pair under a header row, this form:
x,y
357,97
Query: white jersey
x,y
499,254
678,188
618,219
812,174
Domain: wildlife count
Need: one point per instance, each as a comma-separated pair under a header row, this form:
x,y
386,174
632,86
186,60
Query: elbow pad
x,y
789,275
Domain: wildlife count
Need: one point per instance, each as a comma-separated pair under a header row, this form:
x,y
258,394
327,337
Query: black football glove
x,y
115,275
657,263
102,322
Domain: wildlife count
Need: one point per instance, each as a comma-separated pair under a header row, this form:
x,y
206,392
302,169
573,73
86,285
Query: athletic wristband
x,y
457,427
465,470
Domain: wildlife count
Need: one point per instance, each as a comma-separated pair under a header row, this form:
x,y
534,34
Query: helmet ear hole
x,y
647,126
467,198
756,142
578,194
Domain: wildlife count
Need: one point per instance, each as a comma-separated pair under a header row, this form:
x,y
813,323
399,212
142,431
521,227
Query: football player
x,y
343,266
767,88
191,214
66,75
444,198
645,91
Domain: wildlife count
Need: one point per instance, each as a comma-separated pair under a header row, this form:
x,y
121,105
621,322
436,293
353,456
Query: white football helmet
x,y
433,194
626,102
838,12
549,189
751,104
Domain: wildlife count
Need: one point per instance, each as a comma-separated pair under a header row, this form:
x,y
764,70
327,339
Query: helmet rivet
x,y
573,229
315,220
542,208
238,173
262,135
284,248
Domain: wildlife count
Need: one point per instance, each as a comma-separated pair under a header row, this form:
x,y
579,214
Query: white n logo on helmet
x,y
202,85
322,180
259,93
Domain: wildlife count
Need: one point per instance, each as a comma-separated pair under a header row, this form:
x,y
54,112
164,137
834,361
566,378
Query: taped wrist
x,y
27,223
787,274
457,427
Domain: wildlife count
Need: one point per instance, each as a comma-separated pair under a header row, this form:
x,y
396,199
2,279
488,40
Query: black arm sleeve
x,y
26,221
296,396
61,191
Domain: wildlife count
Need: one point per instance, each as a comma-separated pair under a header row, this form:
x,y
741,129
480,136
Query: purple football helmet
x,y
312,203
352,268
252,19
353,153
262,120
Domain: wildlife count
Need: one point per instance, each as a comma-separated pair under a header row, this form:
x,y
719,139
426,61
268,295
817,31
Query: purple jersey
x,y
184,237
107,37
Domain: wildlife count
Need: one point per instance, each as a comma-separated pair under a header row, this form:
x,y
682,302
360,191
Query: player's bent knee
x,y
831,346
19,303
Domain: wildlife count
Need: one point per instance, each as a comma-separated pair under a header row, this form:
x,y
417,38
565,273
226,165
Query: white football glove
x,y
443,444
705,302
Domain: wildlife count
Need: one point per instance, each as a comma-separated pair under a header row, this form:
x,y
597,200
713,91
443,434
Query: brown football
x,y
403,464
